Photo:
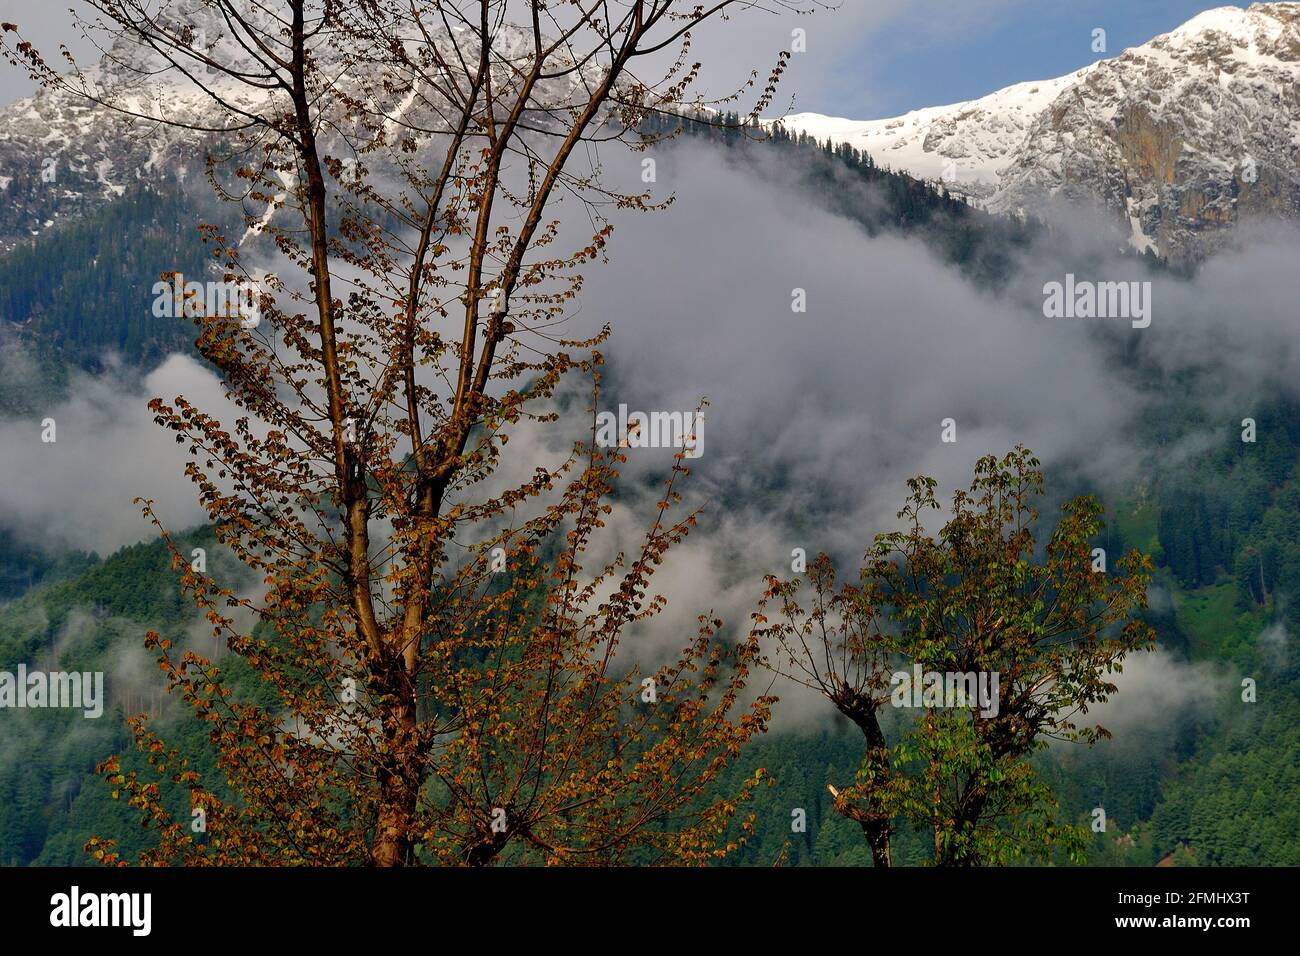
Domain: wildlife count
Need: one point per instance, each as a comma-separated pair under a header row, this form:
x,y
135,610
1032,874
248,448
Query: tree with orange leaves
x,y
405,159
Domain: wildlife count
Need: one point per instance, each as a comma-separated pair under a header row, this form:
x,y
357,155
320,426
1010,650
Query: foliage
x,y
976,599
419,711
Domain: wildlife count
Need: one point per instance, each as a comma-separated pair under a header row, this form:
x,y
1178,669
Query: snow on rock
x,y
1179,138
61,152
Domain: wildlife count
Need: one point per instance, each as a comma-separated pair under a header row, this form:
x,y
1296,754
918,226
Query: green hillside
x,y
1210,784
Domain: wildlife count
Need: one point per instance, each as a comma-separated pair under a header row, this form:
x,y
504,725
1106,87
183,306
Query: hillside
x,y
1195,777
1180,139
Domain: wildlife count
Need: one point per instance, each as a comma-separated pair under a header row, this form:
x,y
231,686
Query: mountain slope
x,y
135,118
1178,138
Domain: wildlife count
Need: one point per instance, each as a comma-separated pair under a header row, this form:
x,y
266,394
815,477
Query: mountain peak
x,y
1179,137
1243,25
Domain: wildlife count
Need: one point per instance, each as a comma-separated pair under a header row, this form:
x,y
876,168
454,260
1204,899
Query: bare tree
x,y
406,158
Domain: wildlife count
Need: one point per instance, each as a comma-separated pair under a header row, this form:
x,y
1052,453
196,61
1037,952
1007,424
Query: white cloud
x,y
77,491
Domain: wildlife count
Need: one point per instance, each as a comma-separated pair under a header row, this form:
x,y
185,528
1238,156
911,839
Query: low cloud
x,y
1156,688
77,491
816,418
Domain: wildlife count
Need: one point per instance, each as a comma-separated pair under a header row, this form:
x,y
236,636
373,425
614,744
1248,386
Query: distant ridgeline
x,y
977,241
80,290
1211,787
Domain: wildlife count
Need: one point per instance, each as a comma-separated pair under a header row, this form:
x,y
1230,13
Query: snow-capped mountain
x,y
61,155
1179,138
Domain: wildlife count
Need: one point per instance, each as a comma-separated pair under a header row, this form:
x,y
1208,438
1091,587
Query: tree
x,y
980,599
406,159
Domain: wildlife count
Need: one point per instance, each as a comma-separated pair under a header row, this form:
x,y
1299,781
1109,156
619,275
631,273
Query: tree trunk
x,y
875,821
399,777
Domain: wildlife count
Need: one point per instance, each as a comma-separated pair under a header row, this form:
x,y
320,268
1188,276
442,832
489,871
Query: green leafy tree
x,y
980,598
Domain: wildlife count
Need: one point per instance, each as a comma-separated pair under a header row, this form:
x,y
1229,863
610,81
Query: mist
x,y
815,418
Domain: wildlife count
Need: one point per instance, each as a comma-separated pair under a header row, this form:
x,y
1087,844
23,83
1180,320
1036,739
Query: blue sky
x,y
870,58
920,57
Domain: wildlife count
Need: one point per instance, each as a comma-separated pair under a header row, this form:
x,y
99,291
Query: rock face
x,y
62,155
1179,139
